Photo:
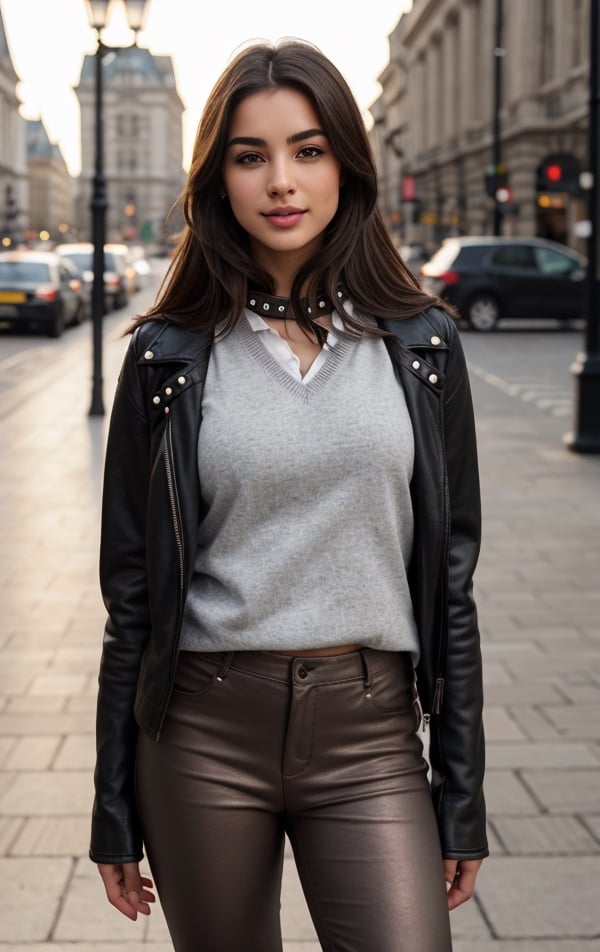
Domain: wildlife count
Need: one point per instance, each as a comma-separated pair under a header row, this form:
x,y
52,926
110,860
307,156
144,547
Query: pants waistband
x,y
365,663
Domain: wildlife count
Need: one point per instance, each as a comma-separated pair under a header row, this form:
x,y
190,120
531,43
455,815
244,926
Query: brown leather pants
x,y
256,746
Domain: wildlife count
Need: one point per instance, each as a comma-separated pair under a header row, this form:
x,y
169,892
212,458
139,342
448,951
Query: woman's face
x,y
281,177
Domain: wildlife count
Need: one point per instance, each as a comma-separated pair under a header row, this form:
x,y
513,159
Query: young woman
x,y
290,527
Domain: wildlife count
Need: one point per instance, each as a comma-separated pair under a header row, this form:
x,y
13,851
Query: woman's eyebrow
x,y
309,134
297,137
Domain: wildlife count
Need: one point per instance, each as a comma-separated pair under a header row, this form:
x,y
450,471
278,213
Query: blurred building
x,y
143,150
13,164
51,205
475,122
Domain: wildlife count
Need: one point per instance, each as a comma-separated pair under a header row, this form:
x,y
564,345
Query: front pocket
x,y
393,690
195,675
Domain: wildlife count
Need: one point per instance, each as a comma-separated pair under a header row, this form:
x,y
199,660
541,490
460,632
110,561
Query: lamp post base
x,y
97,405
586,438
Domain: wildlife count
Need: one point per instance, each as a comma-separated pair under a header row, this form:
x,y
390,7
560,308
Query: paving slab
x,y
540,898
58,793
118,946
565,791
515,694
527,945
533,723
32,753
593,823
50,836
86,916
10,827
32,891
7,744
296,924
467,922
544,835
580,693
581,721
39,723
27,704
77,752
546,754
499,725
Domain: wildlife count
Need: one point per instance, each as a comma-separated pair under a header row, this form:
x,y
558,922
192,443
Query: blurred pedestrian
x,y
290,527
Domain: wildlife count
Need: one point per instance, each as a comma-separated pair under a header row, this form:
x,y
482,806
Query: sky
x,y
48,38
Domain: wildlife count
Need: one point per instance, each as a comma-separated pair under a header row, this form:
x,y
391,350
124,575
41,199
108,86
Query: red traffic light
x,y
553,172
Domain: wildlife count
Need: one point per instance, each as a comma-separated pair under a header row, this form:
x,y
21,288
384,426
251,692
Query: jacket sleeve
x,y
457,742
116,833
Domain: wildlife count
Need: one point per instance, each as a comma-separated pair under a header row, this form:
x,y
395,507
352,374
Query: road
x,y
530,367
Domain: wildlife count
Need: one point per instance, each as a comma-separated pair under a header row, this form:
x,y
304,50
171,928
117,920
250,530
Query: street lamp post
x,y
499,53
586,368
98,16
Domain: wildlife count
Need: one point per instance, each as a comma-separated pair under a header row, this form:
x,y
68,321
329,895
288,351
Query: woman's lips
x,y
285,218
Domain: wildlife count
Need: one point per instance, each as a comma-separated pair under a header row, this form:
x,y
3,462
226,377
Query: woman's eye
x,y
248,158
310,152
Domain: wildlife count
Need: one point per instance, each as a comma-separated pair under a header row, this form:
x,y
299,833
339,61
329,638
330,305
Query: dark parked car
x,y
491,278
116,287
40,290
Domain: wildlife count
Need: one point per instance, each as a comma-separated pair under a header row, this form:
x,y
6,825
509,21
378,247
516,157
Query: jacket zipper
x,y
436,705
176,517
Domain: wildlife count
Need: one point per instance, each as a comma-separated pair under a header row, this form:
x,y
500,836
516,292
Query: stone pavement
x,y
539,597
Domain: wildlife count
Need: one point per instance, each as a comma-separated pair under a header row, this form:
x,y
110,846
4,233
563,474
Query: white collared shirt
x,y
283,353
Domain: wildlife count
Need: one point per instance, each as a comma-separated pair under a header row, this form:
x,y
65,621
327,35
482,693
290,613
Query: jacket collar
x,y
417,344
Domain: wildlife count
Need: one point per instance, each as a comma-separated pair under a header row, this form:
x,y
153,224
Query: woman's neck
x,y
282,268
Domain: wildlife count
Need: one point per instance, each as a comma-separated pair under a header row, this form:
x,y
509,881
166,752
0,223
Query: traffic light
x,y
559,173
496,180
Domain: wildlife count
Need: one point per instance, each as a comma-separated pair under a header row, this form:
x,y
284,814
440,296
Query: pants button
x,y
302,672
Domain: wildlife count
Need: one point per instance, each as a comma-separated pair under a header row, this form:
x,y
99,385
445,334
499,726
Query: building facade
x,y
13,161
481,125
143,151
51,187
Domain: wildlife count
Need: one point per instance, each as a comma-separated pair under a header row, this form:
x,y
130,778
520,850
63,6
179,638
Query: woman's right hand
x,y
126,889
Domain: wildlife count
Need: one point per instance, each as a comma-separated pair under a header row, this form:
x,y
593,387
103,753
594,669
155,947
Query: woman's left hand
x,y
460,876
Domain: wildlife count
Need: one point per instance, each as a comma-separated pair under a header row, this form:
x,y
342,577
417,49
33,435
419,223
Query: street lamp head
x,y
136,11
97,11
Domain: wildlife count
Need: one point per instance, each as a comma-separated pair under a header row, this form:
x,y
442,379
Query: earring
x,y
222,194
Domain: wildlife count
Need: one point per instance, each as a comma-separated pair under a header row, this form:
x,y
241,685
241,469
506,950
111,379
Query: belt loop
x,y
366,663
225,665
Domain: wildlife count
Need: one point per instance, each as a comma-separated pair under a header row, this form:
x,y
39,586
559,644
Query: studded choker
x,y
269,305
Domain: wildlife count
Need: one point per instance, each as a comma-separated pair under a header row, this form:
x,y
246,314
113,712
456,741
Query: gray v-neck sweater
x,y
309,526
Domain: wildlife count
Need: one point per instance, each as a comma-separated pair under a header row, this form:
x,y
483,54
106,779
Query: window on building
x,y
128,125
547,31
455,121
576,25
476,87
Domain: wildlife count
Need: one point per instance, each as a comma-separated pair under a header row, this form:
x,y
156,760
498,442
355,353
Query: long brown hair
x,y
212,269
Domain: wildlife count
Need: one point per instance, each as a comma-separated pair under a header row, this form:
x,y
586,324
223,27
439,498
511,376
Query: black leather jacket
x,y
152,506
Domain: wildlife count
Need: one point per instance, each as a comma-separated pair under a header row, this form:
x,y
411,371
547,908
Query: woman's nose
x,y
281,179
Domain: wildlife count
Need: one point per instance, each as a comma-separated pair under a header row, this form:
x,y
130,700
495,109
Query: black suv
x,y
491,278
